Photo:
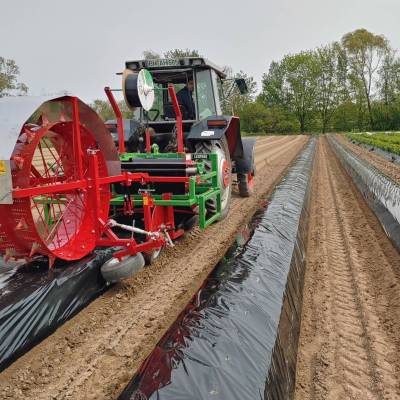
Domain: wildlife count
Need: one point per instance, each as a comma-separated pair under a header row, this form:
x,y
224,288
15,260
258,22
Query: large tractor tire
x,y
220,147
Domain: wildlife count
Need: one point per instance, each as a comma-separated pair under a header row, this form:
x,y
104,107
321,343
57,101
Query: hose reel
x,y
138,89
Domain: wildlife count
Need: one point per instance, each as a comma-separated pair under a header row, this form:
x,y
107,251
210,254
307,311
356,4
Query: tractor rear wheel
x,y
220,147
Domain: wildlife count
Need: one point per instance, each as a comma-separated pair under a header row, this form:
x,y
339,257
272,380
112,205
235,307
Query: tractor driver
x,y
185,98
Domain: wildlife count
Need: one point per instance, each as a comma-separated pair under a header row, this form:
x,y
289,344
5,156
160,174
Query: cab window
x,y
162,109
218,91
205,94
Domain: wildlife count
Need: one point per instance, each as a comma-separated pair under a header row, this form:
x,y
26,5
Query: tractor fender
x,y
245,164
214,128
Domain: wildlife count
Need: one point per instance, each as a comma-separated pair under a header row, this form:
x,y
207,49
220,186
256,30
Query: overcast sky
x,y
79,45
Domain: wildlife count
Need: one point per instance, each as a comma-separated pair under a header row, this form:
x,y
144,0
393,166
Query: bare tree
x,y
151,55
179,53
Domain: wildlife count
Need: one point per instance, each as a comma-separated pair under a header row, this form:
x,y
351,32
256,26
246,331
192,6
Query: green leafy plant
x,y
385,141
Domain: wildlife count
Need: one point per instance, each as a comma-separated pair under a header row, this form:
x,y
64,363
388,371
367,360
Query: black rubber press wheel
x,y
114,270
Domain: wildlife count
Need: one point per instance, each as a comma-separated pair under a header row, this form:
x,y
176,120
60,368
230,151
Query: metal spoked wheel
x,y
220,147
58,223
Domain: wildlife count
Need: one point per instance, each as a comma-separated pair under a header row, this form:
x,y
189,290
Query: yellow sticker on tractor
x,y
3,169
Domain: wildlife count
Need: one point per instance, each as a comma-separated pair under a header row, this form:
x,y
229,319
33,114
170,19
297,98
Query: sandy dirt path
x,y
350,331
390,169
94,355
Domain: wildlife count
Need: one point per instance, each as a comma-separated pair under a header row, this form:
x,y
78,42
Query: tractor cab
x,y
194,79
198,85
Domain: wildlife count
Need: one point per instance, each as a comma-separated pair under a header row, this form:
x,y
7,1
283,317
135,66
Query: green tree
x,y
389,78
255,117
329,82
273,92
104,109
346,117
365,52
292,84
233,100
9,84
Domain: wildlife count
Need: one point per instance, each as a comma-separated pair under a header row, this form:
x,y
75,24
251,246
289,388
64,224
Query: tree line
x,y
350,85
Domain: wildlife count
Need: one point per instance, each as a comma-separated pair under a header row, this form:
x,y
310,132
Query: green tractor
x,y
71,183
198,85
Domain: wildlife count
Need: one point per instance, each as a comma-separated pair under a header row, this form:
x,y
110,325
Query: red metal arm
x,y
118,114
62,186
178,114
148,141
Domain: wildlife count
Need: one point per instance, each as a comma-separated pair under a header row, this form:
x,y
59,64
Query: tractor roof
x,y
174,63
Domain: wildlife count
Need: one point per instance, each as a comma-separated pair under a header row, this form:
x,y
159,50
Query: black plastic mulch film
x,y
34,300
381,193
238,337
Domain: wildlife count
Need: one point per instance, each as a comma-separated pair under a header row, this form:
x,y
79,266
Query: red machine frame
x,y
156,218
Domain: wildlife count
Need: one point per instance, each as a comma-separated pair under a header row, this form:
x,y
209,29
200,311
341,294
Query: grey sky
x,y
79,45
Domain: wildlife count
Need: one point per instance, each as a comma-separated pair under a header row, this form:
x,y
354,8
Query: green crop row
x,y
385,141
388,137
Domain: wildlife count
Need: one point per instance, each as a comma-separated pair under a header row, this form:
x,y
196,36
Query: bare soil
x,y
350,331
94,355
390,169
